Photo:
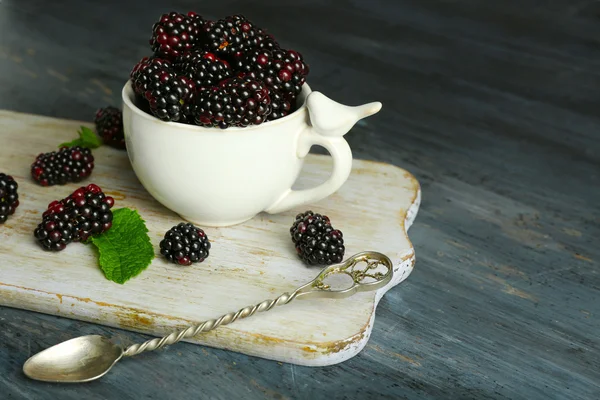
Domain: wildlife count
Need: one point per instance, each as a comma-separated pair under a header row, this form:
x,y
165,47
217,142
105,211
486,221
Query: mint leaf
x,y
87,138
125,249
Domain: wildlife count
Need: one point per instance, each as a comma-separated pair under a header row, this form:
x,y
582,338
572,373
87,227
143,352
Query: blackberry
x,y
316,241
167,95
55,231
146,72
109,125
86,212
256,60
188,111
175,33
266,41
230,36
236,102
289,72
250,99
69,164
203,68
9,198
185,244
282,70
281,105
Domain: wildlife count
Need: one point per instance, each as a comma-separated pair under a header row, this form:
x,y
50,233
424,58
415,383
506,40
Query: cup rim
x,y
127,95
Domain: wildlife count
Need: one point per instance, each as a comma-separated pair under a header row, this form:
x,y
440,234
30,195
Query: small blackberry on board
x,y
9,196
185,244
69,164
109,125
84,213
316,241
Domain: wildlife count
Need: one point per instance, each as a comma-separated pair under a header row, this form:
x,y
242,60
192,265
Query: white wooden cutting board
x,y
248,263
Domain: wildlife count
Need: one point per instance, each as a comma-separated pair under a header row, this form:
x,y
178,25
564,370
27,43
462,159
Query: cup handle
x,y
342,165
329,122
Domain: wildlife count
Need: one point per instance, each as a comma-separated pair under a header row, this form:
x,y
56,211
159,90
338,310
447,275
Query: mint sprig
x,y
125,249
87,138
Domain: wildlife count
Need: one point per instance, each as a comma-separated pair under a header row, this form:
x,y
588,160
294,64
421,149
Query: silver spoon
x,y
87,358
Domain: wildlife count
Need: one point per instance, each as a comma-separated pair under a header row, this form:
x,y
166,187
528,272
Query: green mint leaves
x,y
87,138
125,249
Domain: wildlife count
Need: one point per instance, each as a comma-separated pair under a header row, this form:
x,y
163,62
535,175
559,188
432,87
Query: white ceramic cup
x,y
221,177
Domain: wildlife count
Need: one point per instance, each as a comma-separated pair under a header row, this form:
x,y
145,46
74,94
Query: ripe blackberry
x,y
86,212
185,244
255,60
175,33
69,164
230,36
188,112
9,198
289,72
281,105
250,98
146,72
236,102
282,70
203,68
55,231
266,41
167,95
316,241
109,125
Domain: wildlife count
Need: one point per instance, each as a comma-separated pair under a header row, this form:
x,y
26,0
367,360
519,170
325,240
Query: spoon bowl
x,y
81,359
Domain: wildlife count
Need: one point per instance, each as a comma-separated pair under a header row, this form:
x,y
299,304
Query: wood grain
x,y
249,263
492,105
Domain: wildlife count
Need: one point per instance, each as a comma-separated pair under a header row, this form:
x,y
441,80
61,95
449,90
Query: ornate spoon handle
x,y
209,325
363,279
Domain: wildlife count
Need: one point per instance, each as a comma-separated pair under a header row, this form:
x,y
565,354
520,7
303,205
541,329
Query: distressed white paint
x,y
248,263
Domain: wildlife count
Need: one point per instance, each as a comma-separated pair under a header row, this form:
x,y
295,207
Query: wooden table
x,y
492,105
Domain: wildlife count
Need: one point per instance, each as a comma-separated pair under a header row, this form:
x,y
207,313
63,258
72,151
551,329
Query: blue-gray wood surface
x,y
493,105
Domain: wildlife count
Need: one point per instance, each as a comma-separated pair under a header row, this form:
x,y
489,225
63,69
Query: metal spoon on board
x,y
87,358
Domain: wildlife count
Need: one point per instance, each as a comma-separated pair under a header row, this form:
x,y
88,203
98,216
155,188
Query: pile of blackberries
x,y
217,73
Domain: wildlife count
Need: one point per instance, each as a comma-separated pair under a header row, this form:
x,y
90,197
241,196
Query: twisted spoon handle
x,y
209,325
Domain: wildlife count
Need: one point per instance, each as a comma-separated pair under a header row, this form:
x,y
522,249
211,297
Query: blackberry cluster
x,y
203,68
281,105
147,72
166,93
9,198
109,125
316,241
69,164
185,79
266,41
230,36
176,33
236,102
283,71
185,244
86,212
